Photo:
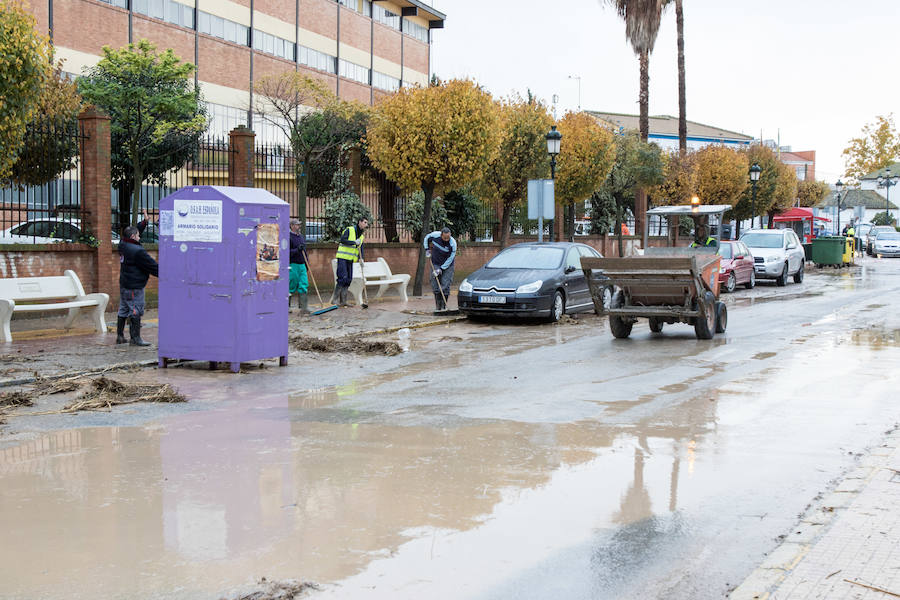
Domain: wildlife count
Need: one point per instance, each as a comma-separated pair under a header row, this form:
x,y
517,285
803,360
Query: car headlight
x,y
465,287
772,259
530,288
722,269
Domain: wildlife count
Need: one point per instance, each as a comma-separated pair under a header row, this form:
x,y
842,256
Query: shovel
x,y
318,295
446,310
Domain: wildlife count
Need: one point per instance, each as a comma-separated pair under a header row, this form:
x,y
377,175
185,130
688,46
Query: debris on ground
x,y
279,590
96,394
17,398
345,344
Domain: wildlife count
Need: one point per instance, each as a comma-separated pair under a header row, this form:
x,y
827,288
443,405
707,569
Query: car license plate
x,y
492,299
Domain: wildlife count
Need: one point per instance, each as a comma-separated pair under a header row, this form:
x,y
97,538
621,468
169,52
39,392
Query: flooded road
x,y
491,461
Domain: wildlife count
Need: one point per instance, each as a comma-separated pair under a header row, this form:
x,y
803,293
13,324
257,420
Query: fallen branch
x,y
872,587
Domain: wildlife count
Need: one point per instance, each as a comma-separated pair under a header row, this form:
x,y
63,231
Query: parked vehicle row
x,y
777,254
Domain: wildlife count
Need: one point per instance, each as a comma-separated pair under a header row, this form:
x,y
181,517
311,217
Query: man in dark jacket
x,y
135,268
299,284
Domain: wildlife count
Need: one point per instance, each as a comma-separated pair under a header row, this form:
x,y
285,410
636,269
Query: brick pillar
x,y
241,158
96,198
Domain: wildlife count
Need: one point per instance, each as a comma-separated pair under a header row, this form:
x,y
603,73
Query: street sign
x,y
540,199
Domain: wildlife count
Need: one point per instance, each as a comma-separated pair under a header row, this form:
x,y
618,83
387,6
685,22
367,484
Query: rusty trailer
x,y
666,285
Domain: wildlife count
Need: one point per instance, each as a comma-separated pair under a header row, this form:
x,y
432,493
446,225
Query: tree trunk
x,y
302,175
504,224
621,242
136,192
644,97
737,229
428,190
682,95
126,189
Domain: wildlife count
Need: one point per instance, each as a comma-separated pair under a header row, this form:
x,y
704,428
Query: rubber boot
x,y
120,330
304,303
438,301
344,292
135,331
335,295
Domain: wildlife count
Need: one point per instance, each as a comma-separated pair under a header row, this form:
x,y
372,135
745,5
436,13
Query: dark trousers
x,y
344,272
446,278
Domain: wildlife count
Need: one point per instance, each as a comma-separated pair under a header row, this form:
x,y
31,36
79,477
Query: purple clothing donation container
x,y
223,275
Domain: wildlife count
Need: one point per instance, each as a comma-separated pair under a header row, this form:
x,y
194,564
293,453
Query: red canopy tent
x,y
803,216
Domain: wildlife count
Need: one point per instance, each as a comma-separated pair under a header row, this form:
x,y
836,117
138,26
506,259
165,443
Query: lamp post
x,y
553,141
578,78
838,187
755,170
886,181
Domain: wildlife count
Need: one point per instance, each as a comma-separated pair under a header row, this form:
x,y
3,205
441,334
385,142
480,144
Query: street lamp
x,y
553,139
755,170
886,181
838,187
578,78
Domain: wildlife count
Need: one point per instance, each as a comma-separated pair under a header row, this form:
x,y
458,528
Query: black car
x,y
531,280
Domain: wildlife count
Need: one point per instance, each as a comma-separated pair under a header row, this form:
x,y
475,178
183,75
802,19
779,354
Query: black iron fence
x,y
41,201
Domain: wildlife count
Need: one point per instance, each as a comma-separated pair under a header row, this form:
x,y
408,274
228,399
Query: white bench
x,y
378,274
66,287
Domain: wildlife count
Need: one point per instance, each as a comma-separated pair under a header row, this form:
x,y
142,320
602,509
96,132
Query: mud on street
x,y
488,460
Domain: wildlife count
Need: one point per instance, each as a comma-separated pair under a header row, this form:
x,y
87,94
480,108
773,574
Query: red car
x,y
736,267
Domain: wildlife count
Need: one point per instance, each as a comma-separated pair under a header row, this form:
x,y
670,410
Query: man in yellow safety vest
x,y
349,251
702,239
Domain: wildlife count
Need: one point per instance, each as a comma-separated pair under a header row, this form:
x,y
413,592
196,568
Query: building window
x,y
317,60
353,71
385,82
367,8
351,4
270,44
801,172
223,119
382,15
223,28
415,30
119,3
164,10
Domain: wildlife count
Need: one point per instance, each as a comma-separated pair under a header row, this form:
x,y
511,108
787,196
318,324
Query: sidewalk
x,y
40,347
847,545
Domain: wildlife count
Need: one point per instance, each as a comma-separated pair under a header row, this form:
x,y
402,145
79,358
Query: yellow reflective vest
x,y
710,241
350,252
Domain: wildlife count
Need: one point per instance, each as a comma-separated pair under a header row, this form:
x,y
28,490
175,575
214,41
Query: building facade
x,y
361,49
664,131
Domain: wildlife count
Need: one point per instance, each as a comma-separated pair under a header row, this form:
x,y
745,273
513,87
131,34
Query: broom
x,y
318,295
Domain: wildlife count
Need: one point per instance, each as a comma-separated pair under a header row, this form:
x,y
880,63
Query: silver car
x,y
887,243
777,254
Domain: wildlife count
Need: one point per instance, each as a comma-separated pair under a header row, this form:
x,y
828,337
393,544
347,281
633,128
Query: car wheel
x,y
752,283
782,279
798,276
619,326
656,325
730,283
705,323
557,308
721,317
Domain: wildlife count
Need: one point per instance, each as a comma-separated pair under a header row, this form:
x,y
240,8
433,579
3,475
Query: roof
x,y
869,198
668,125
792,157
894,167
798,214
426,12
686,209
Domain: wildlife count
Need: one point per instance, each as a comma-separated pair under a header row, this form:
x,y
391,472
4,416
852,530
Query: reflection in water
x,y
301,486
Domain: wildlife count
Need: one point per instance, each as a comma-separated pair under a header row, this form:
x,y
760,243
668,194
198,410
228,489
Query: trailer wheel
x,y
620,327
721,317
656,325
705,324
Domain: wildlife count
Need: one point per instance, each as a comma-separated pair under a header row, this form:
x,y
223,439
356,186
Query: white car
x,y
887,243
49,230
777,254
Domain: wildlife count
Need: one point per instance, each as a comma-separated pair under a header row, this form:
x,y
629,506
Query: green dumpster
x,y
807,251
828,250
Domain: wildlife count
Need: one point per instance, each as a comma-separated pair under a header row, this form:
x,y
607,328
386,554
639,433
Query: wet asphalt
x,y
491,461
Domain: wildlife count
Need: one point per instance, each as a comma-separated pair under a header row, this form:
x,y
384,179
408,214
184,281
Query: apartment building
x,y
361,49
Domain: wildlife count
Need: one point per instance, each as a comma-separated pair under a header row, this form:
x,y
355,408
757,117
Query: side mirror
x,y
791,246
570,269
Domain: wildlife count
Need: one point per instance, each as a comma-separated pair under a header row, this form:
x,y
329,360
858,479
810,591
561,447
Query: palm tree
x,y
682,96
642,19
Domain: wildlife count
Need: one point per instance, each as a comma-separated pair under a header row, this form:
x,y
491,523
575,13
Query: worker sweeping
x,y
441,247
349,251
298,282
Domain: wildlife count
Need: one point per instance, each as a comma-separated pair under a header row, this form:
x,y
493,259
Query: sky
x,y
813,72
